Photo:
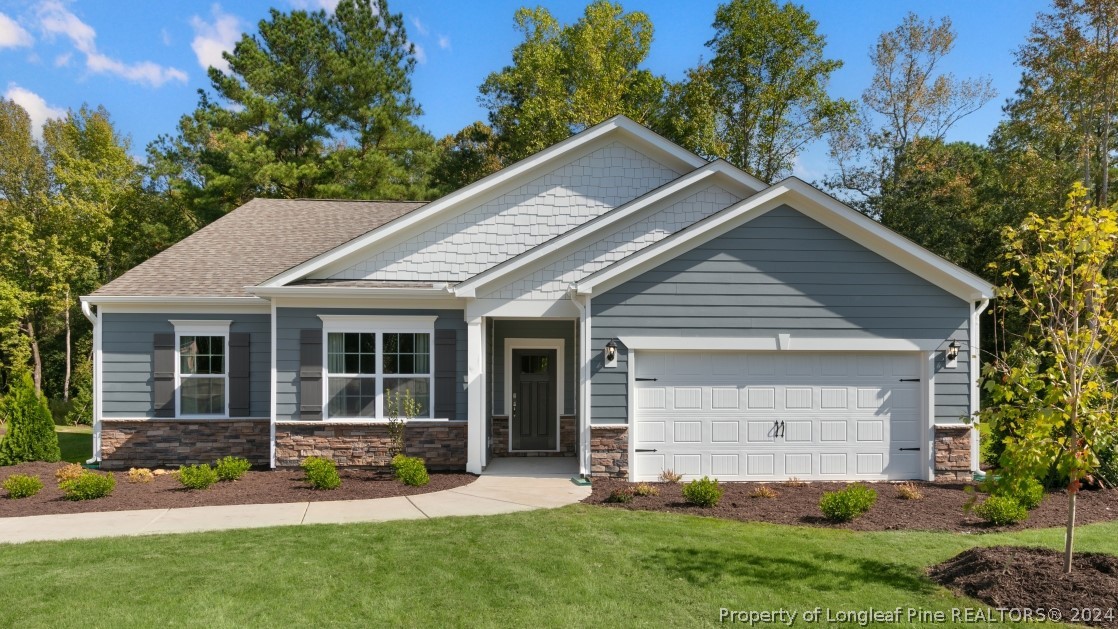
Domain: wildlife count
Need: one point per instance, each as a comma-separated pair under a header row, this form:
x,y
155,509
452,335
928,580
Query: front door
x,y
533,422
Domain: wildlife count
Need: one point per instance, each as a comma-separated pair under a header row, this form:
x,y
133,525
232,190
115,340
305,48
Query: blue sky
x,y
144,60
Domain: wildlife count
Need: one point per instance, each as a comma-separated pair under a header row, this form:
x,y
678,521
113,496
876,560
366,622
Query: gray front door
x,y
533,400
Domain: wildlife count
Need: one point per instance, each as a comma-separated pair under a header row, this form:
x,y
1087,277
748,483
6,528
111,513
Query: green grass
x,y
577,566
76,443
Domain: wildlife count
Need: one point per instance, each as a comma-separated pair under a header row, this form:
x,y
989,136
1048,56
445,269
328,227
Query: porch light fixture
x,y
611,351
953,351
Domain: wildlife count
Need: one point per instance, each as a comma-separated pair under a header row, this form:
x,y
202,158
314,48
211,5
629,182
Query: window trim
x,y
185,327
377,326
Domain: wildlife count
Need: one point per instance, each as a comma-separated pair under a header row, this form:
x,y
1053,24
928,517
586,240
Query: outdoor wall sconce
x,y
952,355
611,354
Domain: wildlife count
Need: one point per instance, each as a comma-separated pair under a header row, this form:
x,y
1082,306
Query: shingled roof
x,y
253,243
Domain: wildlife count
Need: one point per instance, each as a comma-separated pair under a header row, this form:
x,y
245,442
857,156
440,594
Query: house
x,y
614,298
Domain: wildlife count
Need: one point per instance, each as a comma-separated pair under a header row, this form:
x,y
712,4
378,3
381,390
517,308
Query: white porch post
x,y
475,346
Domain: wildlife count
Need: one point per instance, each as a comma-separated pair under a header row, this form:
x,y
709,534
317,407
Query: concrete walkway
x,y
507,486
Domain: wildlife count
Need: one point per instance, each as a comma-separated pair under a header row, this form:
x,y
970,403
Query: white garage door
x,y
778,415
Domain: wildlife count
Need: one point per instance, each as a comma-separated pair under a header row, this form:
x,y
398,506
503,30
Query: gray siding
x,y
538,329
781,272
289,321
126,346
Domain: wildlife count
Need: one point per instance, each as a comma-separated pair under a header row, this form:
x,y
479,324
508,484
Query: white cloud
x,y
314,5
420,53
12,35
419,26
55,19
165,35
213,38
37,108
63,60
444,42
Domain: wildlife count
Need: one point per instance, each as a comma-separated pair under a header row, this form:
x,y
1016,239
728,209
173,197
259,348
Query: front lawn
x,y
577,566
76,443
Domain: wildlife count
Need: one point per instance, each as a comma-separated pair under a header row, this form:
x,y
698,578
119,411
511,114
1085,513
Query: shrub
x,y
232,467
795,482
22,485
763,491
69,471
909,491
1001,510
703,492
1031,495
88,486
1107,451
31,435
644,489
846,504
669,476
623,495
411,470
321,472
140,475
197,476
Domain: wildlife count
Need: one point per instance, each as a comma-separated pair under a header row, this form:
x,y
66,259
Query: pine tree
x,y
31,435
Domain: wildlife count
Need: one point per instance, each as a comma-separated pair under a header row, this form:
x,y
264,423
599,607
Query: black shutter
x,y
446,374
163,375
239,386
310,374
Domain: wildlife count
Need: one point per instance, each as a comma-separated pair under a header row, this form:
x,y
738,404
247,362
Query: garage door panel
x,y
651,431
833,398
760,464
760,432
688,464
832,463
799,398
798,465
688,432
687,398
870,463
724,465
722,432
760,398
649,464
871,431
798,431
652,398
725,398
833,431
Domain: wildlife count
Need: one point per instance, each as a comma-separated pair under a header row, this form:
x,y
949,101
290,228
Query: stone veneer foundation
x,y
952,444
609,451
173,442
568,438
442,444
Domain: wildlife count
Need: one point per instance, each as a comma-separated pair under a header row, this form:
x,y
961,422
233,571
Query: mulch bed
x,y
940,510
1033,578
255,487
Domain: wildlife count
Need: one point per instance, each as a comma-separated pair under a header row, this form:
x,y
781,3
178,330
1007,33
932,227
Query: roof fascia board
x,y
478,188
349,292
172,299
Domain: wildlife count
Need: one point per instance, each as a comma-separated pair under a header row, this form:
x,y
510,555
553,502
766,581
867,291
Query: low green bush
x,y
623,495
703,492
846,504
1107,451
232,467
1001,510
321,472
411,470
22,485
88,486
197,476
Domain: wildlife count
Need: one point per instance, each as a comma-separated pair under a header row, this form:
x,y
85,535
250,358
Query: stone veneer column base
x,y
568,438
952,452
609,451
442,444
129,443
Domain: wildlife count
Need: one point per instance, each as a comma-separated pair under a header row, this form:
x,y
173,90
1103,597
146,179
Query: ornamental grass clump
x,y
846,504
670,476
232,468
411,470
644,489
140,475
89,486
197,476
22,485
909,491
321,472
763,491
703,492
69,471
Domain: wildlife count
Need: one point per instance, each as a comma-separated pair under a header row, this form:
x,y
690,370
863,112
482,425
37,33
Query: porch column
x,y
475,346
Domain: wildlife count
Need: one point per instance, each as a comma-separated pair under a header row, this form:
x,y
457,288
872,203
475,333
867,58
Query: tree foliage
x,y
466,157
1054,392
763,96
30,435
565,78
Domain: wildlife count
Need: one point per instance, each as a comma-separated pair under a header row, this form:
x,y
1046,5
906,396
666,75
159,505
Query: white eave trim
x,y
426,212
818,206
587,231
780,342
439,291
148,300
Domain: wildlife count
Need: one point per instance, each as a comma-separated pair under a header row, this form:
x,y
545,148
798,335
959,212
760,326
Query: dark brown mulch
x,y
940,510
255,487
1033,578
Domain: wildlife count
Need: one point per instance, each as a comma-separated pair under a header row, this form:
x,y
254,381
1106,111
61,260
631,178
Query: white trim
x,y
773,343
631,411
95,319
378,323
520,309
273,401
365,302
539,255
438,291
975,344
560,391
928,376
816,205
583,381
475,390
175,302
261,307
192,327
618,125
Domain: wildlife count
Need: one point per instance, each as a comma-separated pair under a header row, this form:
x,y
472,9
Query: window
x,y
367,356
201,369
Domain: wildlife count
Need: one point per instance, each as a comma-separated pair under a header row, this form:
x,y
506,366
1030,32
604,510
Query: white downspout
x,y
973,333
583,382
87,310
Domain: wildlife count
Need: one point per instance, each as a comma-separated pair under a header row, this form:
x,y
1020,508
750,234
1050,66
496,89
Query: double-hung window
x,y
367,357
201,368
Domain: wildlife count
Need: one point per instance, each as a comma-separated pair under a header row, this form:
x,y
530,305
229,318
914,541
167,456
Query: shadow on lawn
x,y
821,571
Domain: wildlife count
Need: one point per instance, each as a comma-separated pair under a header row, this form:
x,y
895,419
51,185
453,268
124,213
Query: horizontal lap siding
x,y
289,322
127,340
779,273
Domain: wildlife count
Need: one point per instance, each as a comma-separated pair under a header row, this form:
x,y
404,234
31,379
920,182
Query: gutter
x,y
87,310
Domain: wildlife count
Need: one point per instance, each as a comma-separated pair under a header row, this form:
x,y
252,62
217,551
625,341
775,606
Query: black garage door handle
x,y
907,449
644,450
